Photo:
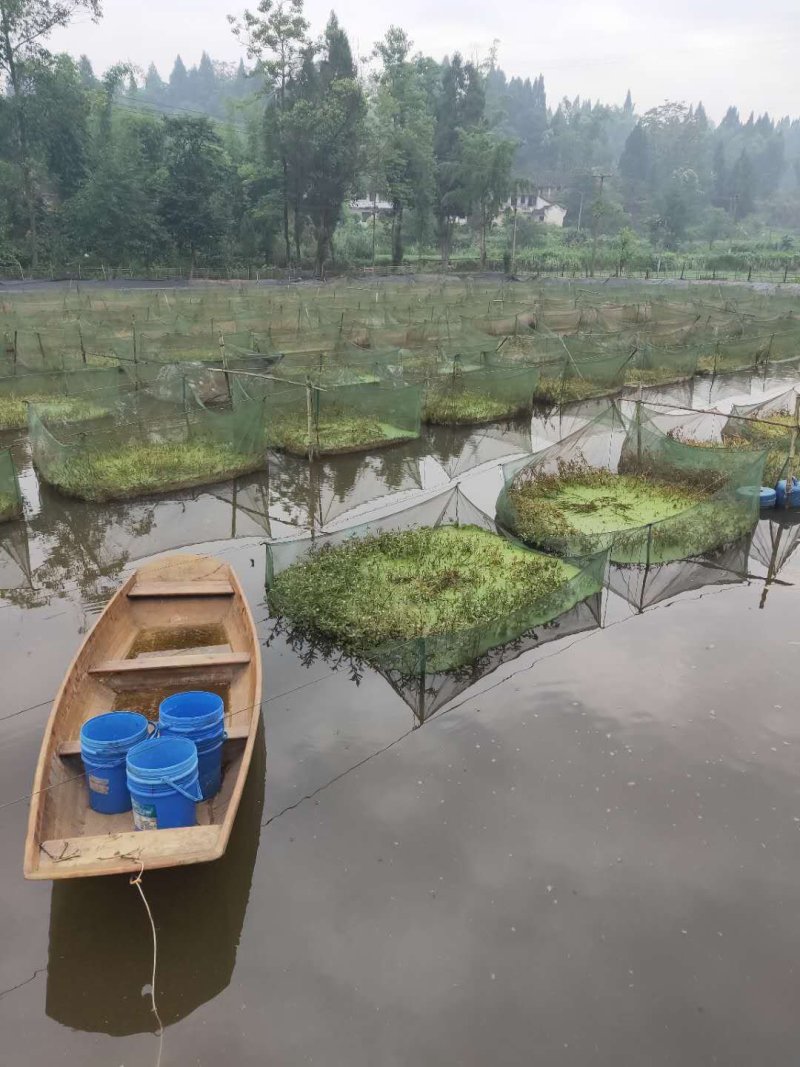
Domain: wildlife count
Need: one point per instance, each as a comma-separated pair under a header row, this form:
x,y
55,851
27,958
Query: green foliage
x,y
192,208
85,181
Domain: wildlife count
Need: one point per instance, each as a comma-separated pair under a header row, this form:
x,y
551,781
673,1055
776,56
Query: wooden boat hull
x,y
179,623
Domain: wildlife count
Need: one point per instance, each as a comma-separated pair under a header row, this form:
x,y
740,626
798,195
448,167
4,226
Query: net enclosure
x,y
69,396
10,496
626,485
147,443
432,587
329,418
768,424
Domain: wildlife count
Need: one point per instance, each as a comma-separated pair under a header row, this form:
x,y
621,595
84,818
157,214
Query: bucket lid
x,y
113,731
162,758
192,710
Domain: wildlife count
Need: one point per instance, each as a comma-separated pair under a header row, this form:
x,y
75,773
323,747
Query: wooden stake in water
x,y
792,448
310,416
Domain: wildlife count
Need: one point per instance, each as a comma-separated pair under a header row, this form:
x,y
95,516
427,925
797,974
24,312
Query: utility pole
x,y
596,218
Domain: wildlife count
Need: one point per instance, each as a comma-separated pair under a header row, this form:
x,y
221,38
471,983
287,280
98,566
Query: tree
x,y
403,134
191,207
24,27
276,37
334,118
460,105
114,215
742,187
86,72
486,160
179,83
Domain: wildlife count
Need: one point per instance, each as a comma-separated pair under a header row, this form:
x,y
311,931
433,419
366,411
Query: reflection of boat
x,y
100,953
179,623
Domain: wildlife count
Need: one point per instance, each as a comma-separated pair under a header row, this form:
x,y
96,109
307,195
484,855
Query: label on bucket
x,y
98,785
144,816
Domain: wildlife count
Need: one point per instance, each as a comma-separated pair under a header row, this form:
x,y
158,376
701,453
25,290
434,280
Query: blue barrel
x,y
780,493
105,741
163,783
199,716
767,497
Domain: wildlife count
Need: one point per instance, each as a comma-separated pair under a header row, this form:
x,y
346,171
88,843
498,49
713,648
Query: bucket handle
x,y
185,792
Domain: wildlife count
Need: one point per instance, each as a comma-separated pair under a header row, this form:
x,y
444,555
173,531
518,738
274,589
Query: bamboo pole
x,y
787,496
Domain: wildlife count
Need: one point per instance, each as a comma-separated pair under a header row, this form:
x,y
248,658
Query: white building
x,y
535,206
364,207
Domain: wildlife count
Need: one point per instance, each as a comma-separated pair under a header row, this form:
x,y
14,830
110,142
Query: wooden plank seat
x,y
171,663
176,589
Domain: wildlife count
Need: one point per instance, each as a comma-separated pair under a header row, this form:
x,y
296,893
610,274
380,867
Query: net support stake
x,y
792,447
310,416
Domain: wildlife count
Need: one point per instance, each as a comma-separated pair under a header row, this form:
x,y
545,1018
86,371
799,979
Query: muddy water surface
x,y
590,856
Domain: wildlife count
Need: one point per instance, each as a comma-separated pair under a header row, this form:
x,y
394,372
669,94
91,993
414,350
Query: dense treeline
x,y
256,163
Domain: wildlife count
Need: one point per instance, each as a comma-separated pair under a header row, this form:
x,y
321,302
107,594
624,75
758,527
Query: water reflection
x,y
310,495
775,540
100,953
427,692
645,585
86,546
15,562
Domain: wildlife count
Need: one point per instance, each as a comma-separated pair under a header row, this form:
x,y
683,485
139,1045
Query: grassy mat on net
x,y
462,408
137,469
14,409
9,506
583,509
415,583
334,433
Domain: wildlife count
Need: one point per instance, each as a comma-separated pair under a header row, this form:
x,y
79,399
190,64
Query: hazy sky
x,y
717,51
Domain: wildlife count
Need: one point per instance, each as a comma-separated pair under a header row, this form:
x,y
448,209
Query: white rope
x,y
137,881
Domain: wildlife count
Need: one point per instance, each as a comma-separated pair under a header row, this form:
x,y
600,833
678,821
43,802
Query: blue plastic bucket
x,y
767,497
200,716
763,494
163,783
105,741
794,495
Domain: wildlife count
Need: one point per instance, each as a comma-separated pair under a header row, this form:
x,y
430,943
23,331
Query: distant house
x,y
535,206
364,207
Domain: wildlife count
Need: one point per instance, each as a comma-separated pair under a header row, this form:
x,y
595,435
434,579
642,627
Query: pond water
x,y
590,855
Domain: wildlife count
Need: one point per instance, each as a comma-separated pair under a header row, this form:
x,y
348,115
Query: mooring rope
x,y
137,881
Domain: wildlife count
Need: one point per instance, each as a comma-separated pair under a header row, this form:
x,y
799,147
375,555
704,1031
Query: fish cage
x,y
427,590
66,396
146,444
769,425
328,419
626,485
459,394
10,496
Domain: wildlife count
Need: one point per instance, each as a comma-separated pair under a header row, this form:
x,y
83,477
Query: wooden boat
x,y
180,623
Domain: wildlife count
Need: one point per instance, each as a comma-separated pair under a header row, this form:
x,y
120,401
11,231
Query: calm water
x,y
589,856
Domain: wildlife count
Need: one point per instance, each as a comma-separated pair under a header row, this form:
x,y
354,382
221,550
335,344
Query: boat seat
x,y
176,589
147,666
